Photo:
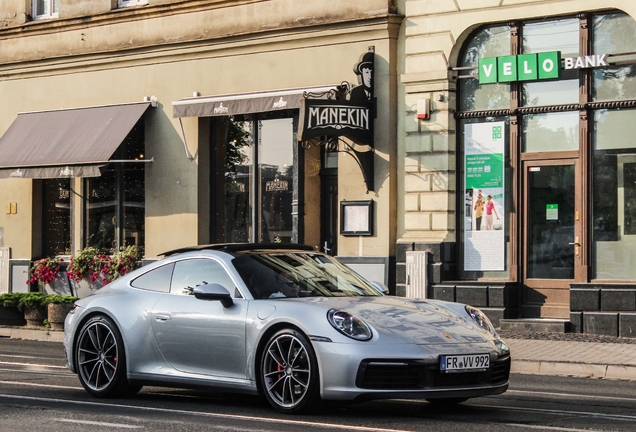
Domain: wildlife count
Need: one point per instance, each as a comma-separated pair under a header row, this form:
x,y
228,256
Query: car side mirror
x,y
380,287
214,292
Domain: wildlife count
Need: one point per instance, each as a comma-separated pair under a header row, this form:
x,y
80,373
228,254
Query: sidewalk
x,y
550,355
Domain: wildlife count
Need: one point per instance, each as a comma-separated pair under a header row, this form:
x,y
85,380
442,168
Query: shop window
x,y
44,9
258,180
614,34
614,195
115,201
489,42
547,36
550,132
56,217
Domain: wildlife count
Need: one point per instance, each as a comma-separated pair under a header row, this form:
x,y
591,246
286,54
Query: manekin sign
x,y
352,118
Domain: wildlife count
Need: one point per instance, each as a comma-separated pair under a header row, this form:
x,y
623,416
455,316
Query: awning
x,y
244,103
66,143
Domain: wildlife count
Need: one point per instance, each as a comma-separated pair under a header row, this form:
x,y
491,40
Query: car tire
x,y
101,360
289,373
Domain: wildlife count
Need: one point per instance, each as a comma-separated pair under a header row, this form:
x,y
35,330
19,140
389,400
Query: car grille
x,y
412,375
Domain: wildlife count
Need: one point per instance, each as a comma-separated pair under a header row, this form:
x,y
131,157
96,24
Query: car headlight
x,y
481,319
349,325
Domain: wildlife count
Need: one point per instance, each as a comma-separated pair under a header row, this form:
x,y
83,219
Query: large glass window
x,y
490,42
115,201
550,132
56,217
614,195
547,36
614,34
258,180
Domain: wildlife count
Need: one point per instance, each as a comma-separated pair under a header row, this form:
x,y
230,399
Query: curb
x,y
585,370
32,334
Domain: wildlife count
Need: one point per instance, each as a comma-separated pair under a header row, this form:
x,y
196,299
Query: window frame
x,y
131,3
51,13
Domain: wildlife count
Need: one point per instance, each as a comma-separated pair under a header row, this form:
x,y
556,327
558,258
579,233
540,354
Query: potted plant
x,y
85,271
58,306
122,263
32,304
9,312
50,276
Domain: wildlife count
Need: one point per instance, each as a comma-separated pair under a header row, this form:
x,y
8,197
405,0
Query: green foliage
x,y
10,300
57,299
34,300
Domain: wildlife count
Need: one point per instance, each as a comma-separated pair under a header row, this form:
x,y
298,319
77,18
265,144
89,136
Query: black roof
x,y
238,247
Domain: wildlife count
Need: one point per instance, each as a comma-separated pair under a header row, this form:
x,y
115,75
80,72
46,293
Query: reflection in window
x,y
550,132
490,42
276,169
56,216
189,274
546,36
257,209
614,195
614,34
115,201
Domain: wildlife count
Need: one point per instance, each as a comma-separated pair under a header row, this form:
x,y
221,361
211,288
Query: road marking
x,y
102,424
41,385
299,423
569,395
32,365
559,412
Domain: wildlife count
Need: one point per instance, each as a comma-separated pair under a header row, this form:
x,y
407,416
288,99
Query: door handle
x,y
577,246
162,318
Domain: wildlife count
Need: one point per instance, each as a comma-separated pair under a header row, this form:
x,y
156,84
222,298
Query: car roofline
x,y
238,247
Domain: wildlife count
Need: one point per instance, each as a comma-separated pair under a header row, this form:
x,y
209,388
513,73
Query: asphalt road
x,y
37,393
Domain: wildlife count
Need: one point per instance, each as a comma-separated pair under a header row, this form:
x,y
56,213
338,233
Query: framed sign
x,y
356,218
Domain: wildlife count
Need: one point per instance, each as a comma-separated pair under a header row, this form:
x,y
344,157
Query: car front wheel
x,y
100,359
289,373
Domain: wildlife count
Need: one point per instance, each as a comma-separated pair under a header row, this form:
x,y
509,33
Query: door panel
x,y
552,246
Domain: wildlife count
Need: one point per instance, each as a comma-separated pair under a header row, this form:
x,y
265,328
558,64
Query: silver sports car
x,y
285,322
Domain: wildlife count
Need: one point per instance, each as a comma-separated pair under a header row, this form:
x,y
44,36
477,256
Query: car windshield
x,y
294,274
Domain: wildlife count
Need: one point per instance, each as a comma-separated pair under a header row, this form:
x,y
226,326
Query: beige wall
x,y
432,41
170,51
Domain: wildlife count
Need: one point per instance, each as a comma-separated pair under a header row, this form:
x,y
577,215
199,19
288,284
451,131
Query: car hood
x,y
402,321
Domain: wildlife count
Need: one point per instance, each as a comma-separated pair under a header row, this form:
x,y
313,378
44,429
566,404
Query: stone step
x,y
540,325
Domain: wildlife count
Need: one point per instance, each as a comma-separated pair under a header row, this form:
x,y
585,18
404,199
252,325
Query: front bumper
x,y
356,372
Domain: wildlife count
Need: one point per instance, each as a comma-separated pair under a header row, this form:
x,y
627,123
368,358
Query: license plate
x,y
464,363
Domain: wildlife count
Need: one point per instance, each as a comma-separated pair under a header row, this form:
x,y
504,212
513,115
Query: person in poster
x,y
490,209
479,211
364,70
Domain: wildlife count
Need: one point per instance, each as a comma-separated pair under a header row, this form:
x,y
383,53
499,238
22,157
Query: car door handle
x,y
162,318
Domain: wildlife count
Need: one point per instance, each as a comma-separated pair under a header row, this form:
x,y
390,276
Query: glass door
x,y
552,237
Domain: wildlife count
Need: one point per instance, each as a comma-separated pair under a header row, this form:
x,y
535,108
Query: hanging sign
x,y
484,230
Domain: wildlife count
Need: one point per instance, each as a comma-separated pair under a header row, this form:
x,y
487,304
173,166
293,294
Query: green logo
x,y
525,67
496,132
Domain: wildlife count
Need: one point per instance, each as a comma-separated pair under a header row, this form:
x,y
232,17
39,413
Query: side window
x,y
155,280
44,9
127,3
189,274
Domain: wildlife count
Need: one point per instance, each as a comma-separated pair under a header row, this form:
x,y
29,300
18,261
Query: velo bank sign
x,y
529,67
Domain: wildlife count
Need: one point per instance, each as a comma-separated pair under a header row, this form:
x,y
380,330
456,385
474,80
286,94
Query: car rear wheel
x,y
289,373
101,361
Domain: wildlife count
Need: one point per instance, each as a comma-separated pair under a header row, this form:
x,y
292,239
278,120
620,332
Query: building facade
x,y
167,124
519,184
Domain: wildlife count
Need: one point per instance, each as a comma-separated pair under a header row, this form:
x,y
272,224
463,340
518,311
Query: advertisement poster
x,y
485,242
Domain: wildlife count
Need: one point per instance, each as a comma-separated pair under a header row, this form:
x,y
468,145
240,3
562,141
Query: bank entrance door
x,y
552,237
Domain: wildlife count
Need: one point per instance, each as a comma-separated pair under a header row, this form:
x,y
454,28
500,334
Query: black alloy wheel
x,y
289,373
101,361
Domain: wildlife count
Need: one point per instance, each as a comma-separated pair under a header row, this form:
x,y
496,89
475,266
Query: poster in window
x,y
484,245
